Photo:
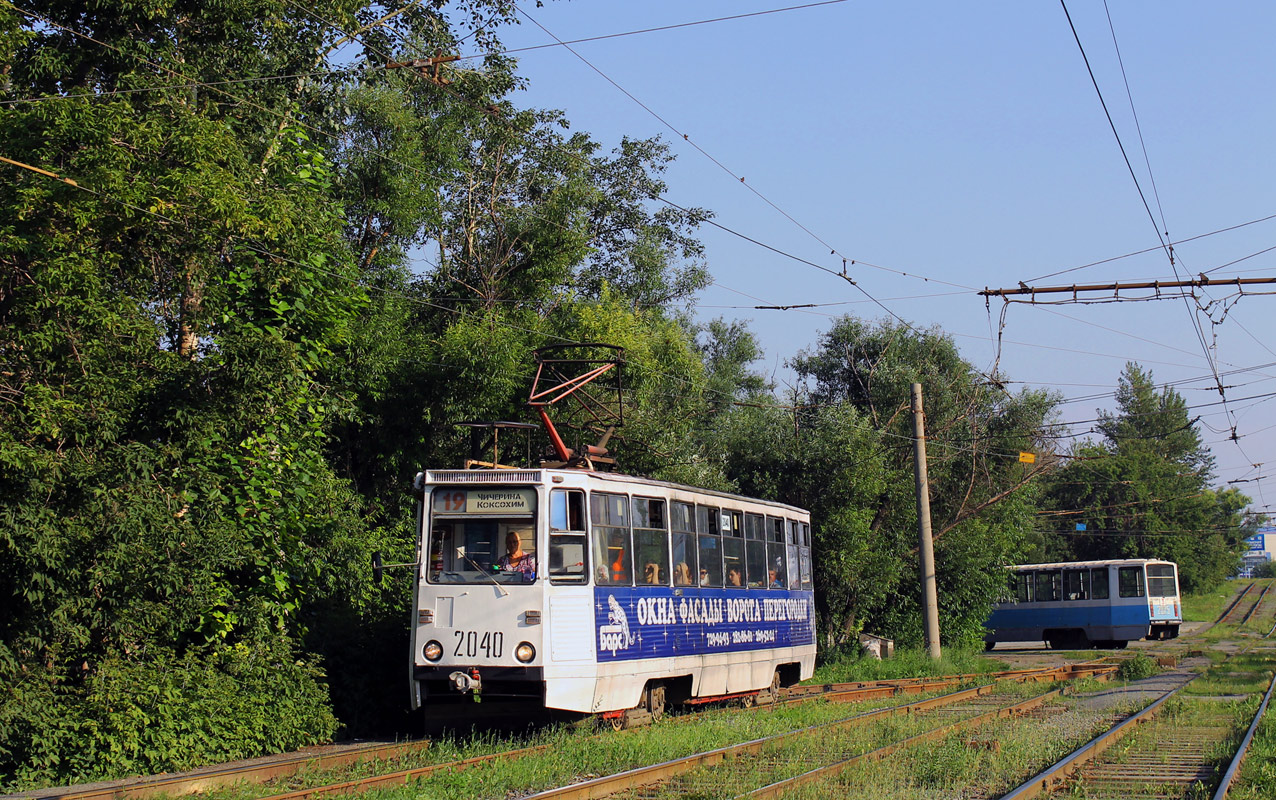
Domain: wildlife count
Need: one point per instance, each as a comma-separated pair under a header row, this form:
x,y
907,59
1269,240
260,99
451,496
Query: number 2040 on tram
x,y
607,594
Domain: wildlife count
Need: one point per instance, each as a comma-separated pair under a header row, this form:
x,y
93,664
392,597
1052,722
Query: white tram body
x,y
625,585
1088,603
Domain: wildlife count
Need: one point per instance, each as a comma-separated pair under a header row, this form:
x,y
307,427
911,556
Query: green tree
x,y
1142,491
978,489
166,322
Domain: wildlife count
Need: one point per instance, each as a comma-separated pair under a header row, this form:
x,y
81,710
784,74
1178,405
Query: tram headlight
x,y
432,651
525,652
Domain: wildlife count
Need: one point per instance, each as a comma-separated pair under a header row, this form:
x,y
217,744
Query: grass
x,y
573,752
906,663
985,762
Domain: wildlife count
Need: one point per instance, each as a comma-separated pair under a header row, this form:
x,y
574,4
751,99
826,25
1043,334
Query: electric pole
x,y
930,597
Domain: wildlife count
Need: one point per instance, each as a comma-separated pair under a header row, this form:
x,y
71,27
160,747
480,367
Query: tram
x,y
603,593
1088,603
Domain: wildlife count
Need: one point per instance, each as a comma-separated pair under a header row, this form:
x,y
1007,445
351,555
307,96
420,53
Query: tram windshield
x,y
482,536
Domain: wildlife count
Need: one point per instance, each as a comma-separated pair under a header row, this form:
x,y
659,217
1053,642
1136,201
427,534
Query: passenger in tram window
x,y
681,574
734,578
704,577
515,560
651,574
774,579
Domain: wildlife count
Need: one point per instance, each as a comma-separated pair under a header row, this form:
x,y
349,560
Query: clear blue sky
x,y
964,142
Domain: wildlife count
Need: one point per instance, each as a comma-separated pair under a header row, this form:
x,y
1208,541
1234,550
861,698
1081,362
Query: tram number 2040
x,y
472,644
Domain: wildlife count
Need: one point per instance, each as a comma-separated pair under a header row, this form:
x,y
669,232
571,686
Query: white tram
x,y
602,593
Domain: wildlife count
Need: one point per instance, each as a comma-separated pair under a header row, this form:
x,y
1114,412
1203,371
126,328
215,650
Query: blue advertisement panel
x,y
1256,541
656,622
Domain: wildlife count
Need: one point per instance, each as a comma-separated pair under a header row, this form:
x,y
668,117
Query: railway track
x,y
778,765
280,768
257,770
1189,749
1257,603
1231,606
836,693
1244,604
273,768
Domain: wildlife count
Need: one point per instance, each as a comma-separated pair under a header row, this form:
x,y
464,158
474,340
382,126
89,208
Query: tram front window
x,y
482,536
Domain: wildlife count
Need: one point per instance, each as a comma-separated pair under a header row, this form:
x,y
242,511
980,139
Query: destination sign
x,y
484,501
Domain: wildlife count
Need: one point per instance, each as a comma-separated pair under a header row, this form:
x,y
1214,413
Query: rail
x,y
1227,612
1234,768
1047,780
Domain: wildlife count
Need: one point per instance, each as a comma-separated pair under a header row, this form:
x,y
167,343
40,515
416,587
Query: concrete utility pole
x,y
930,597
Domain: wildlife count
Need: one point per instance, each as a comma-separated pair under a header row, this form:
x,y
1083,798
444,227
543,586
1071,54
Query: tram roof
x,y
544,476
1111,562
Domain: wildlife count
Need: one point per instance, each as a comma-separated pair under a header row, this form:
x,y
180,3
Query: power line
x,y
1169,253
1135,115
657,29
846,260
1147,250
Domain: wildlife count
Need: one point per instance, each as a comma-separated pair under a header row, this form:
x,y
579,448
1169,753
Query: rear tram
x,y
604,593
1088,603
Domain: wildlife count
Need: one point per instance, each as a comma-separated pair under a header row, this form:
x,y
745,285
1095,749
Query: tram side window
x,y
1076,584
791,536
733,569
1130,582
1099,583
683,538
710,545
755,551
613,553
651,541
776,554
567,536
805,556
1048,585
1023,587
1161,580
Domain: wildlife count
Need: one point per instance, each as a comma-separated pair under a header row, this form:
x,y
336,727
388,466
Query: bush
x,y
1137,668
160,712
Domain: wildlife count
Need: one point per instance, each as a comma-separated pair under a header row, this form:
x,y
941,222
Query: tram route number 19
x,y
472,644
450,502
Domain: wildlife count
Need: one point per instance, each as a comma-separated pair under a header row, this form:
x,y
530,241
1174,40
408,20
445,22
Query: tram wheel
x,y
988,646
655,700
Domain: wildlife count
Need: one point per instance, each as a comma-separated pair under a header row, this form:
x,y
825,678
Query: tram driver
x,y
515,560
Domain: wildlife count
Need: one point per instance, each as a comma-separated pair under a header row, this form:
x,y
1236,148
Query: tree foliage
x,y
846,452
221,364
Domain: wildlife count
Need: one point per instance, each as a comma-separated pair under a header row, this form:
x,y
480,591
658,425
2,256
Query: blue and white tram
x,y
604,593
1088,603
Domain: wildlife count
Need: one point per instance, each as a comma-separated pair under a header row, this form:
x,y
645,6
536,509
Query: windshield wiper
x,y
484,572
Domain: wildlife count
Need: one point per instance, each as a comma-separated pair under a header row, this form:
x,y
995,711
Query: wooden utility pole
x,y
930,597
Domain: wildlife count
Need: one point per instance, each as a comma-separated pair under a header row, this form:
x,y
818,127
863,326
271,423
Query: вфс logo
x,y
615,634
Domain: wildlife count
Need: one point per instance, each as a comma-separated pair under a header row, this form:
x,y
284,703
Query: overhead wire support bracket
x,y
428,67
1116,288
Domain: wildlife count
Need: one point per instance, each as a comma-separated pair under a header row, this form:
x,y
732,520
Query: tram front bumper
x,y
455,681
